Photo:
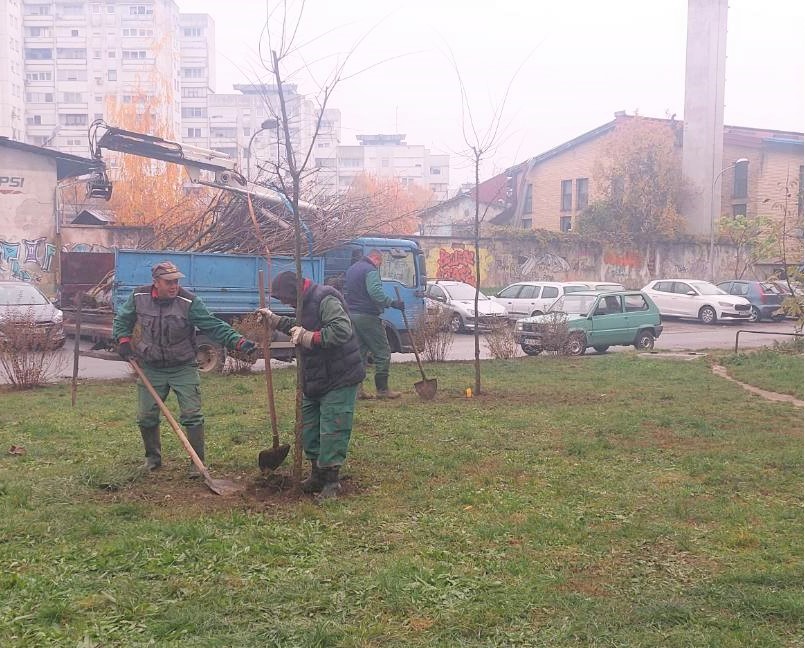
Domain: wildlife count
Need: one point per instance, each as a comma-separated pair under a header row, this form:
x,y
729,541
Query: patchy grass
x,y
768,369
596,501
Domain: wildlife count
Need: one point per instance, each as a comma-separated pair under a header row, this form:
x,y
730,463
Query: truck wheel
x,y
531,350
576,344
644,341
211,357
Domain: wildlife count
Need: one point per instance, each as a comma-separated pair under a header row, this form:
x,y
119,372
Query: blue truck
x,y
229,286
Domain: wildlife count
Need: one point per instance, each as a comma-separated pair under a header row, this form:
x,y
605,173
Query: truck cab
x,y
403,270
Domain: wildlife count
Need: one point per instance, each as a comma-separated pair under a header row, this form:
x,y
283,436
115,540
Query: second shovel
x,y
269,460
426,388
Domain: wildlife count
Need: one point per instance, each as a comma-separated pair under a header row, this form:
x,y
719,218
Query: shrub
x,y
27,357
432,335
501,342
554,333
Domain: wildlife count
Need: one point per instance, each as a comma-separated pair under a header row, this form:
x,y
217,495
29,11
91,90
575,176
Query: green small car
x,y
593,319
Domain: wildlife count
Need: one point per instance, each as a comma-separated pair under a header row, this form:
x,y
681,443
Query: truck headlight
x,y
518,326
58,318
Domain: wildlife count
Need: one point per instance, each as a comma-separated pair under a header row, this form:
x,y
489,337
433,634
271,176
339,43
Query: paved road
x,y
677,335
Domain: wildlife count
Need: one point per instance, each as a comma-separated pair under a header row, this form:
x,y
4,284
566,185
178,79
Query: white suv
x,y
530,298
696,299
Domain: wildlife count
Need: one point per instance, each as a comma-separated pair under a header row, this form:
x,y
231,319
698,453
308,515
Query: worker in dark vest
x,y
363,291
168,317
332,369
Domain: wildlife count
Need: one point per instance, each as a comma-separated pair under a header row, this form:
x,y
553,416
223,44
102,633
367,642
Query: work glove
x,y
399,304
303,337
245,346
125,351
269,317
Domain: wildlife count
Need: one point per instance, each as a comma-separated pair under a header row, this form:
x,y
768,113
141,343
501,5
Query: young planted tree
x,y
640,183
755,238
790,247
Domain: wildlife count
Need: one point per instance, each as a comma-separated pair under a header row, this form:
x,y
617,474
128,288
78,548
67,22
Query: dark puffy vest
x,y
324,370
167,338
355,292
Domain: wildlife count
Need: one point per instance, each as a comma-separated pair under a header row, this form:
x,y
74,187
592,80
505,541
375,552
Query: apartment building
x,y
83,60
12,77
384,156
197,76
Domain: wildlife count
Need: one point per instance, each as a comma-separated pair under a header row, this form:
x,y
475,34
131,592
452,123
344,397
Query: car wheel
x,y
456,323
211,357
644,341
601,348
778,317
535,313
576,344
708,315
754,316
531,350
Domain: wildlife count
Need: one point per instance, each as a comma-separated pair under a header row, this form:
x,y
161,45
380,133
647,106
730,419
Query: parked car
x,y
459,299
696,299
764,296
598,320
526,298
24,303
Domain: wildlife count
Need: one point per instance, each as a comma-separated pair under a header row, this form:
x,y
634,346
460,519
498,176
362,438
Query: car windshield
x,y
574,304
21,295
706,288
463,292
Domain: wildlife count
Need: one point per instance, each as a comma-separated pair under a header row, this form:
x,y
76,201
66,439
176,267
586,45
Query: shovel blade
x,y
221,486
272,459
426,389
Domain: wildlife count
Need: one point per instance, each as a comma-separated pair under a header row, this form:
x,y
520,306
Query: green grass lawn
x,y
767,369
596,501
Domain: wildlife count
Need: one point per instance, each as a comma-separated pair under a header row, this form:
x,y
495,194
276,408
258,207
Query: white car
x,y
696,299
531,298
459,298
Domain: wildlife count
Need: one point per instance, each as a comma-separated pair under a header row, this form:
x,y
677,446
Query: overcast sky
x,y
580,61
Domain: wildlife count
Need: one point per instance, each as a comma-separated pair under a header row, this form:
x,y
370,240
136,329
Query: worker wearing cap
x,y
168,317
363,291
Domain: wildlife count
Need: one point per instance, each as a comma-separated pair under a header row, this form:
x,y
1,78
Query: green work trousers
x,y
327,425
185,383
372,339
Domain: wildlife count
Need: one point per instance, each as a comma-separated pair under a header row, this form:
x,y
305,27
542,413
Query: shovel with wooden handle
x,y
426,388
217,486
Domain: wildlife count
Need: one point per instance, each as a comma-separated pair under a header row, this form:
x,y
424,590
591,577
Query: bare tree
x,y
481,144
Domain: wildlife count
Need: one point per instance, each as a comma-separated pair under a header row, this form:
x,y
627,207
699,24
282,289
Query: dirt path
x,y
718,370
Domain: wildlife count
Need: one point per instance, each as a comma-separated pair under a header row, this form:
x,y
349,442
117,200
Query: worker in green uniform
x,y
363,291
332,369
168,317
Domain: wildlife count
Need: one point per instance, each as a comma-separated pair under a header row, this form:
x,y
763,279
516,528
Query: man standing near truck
x,y
363,292
168,317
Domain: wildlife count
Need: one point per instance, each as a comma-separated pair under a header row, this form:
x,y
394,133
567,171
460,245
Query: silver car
x,y
25,303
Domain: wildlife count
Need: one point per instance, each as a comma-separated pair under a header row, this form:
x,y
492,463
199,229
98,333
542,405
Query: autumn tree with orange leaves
x,y
395,207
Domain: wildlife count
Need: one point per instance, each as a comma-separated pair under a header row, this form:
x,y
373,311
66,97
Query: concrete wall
x,y
95,238
504,261
28,239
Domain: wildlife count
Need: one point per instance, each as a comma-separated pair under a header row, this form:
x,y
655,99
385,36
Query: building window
x,y
435,171
110,54
39,76
140,10
73,32
194,111
192,32
526,223
194,92
565,223
34,120
111,75
528,206
567,195
194,132
740,180
129,55
192,73
581,193
73,119
739,210
38,53
71,75
71,53
73,97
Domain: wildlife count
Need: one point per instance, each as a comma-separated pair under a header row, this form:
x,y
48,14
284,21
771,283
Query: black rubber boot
x,y
315,482
153,447
195,434
383,391
331,484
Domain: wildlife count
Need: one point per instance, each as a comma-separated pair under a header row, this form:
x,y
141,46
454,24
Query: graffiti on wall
x,y
36,255
457,263
86,247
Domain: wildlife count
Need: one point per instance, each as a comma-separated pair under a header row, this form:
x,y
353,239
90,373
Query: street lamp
x,y
268,123
737,163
